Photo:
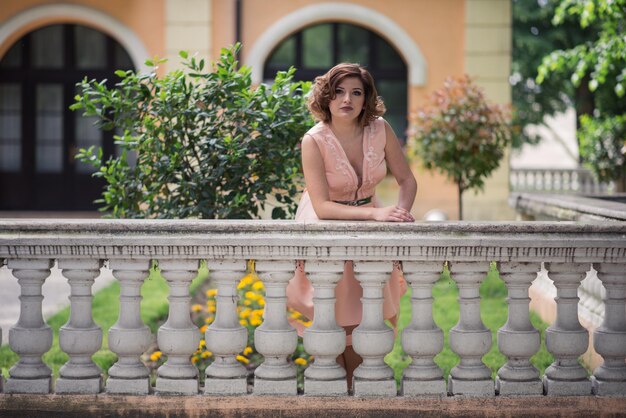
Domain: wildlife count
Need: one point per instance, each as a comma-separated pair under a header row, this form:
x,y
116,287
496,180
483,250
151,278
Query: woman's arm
x,y
400,169
317,186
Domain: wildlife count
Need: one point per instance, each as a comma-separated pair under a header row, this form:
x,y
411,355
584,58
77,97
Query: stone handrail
x,y
555,180
30,247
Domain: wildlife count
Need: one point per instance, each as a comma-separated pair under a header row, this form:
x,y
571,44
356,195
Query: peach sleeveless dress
x,y
343,186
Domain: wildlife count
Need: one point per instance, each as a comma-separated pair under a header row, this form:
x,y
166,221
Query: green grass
x,y
154,309
493,312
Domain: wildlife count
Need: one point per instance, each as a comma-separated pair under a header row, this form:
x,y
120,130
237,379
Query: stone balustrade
x,y
29,248
555,180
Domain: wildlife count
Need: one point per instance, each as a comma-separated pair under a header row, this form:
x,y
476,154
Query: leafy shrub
x,y
461,134
207,143
603,145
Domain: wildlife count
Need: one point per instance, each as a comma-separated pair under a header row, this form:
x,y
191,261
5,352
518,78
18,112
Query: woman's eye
x,y
338,91
357,93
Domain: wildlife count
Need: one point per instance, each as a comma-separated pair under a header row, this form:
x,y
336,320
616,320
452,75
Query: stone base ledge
x,y
602,388
325,387
176,386
78,386
305,406
423,387
275,387
560,388
507,387
128,386
375,387
34,386
471,387
213,386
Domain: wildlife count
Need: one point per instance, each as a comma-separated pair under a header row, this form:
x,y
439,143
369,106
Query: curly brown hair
x,y
324,91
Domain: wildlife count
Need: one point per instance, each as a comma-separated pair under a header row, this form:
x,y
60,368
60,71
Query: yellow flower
x,y
247,302
255,320
206,354
209,319
243,322
247,351
211,293
196,308
258,285
211,309
258,312
194,360
246,281
261,302
245,313
202,343
155,356
300,361
307,323
242,359
203,328
251,295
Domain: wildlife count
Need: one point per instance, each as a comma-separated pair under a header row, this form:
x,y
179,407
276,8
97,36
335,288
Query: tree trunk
x,y
460,201
584,105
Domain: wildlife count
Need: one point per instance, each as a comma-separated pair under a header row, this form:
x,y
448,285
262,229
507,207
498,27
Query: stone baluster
x,y
469,338
1,377
30,337
373,339
225,337
178,338
422,339
129,338
610,339
518,340
275,339
324,339
566,339
80,337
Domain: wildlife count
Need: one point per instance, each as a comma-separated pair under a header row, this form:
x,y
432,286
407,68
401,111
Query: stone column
x,y
324,339
1,377
80,337
30,337
178,338
469,338
129,338
276,339
566,339
373,339
225,337
609,379
518,340
422,339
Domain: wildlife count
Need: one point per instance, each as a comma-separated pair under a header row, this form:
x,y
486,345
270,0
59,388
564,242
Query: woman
x,y
344,157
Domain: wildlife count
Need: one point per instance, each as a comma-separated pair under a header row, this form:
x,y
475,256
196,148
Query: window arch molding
x,y
31,19
324,12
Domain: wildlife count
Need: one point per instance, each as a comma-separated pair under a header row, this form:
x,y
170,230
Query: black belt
x,y
359,202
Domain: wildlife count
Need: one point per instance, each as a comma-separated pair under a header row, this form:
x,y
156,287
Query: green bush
x,y
461,135
208,144
603,145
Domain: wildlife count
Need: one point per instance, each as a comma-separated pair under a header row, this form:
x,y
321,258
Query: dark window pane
x,y
90,48
10,127
388,58
122,59
49,128
285,55
47,47
394,93
317,46
87,135
13,57
353,44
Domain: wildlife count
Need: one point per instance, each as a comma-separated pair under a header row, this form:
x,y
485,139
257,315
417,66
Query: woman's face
x,y
349,99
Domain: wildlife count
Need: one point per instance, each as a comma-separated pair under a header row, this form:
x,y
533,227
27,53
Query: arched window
x,y
39,135
317,48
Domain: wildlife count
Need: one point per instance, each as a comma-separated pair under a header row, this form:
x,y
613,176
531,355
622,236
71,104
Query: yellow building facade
x,y
434,39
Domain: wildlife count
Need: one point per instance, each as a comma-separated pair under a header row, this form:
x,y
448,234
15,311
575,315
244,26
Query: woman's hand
x,y
393,214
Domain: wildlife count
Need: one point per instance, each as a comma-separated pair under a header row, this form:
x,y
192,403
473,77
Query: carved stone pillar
x,y
324,339
373,339
30,337
422,339
276,339
566,339
469,338
609,379
518,340
80,337
178,338
129,338
225,337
